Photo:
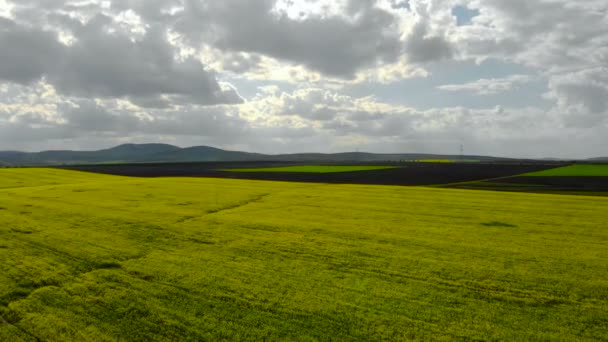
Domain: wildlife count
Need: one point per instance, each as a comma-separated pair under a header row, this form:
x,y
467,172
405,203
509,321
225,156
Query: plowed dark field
x,y
404,174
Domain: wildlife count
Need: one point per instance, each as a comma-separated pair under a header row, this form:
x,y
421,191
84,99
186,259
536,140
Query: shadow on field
x,y
499,224
403,174
596,186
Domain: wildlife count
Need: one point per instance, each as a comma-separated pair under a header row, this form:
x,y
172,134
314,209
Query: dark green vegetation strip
x,y
573,171
313,169
200,259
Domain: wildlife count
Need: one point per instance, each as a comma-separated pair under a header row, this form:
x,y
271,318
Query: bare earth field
x,y
402,174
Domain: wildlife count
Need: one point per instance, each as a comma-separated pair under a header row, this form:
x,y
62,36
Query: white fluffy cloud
x,y
488,86
566,41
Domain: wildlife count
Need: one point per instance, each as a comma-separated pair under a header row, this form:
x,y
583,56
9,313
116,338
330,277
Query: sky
x,y
517,78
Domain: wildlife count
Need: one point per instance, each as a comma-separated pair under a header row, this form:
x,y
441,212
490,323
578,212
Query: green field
x,y
435,161
85,257
313,169
27,177
581,170
443,161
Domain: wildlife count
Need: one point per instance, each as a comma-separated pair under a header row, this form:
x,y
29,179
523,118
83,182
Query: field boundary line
x,y
479,180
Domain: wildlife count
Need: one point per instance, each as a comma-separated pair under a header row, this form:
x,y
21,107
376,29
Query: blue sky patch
x,y
464,15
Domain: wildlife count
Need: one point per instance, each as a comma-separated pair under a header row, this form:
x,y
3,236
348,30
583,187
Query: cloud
x,y
564,41
39,114
89,116
488,86
329,75
550,35
333,45
582,97
423,47
103,61
113,65
343,115
310,119
26,54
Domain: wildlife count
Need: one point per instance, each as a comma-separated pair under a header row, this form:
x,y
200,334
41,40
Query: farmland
x,y
585,179
435,161
98,258
408,173
314,168
582,170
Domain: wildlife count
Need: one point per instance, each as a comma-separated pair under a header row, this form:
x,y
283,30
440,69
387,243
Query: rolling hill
x,y
150,153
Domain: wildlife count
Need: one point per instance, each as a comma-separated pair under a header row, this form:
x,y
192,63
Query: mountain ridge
x,y
158,153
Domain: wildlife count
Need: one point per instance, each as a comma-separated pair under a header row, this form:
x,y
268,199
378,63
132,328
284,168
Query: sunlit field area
x,y
581,179
313,168
86,257
581,170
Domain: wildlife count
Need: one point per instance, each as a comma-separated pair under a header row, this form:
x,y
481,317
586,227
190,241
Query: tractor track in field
x,y
225,208
5,322
239,204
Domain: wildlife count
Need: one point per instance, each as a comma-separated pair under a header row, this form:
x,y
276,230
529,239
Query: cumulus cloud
x,y
304,120
489,86
103,60
334,45
46,118
345,115
582,97
563,41
113,65
421,46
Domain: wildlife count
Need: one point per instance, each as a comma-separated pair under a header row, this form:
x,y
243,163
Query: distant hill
x,y
154,153
376,157
599,160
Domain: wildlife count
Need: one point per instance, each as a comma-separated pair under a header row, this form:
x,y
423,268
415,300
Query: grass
x,y
313,169
435,161
96,258
581,170
443,161
26,177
